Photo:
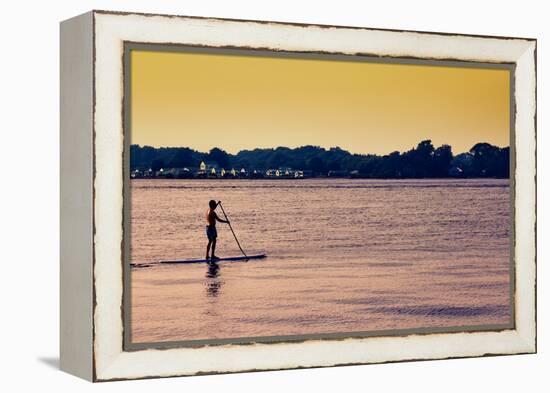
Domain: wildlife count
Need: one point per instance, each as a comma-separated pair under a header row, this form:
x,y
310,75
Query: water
x,y
343,256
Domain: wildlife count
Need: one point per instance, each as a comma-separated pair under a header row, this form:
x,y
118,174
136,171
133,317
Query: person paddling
x,y
211,232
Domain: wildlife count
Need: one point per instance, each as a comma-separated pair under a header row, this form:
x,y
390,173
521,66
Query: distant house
x,y
282,173
184,173
207,169
256,174
148,173
202,172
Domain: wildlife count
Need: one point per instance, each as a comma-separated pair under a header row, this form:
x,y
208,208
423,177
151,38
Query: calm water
x,y
344,255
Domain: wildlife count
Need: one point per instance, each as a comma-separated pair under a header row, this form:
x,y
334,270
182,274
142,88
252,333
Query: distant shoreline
x,y
424,161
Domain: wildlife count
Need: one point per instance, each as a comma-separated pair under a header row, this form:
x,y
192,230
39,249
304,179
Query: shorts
x,y
211,232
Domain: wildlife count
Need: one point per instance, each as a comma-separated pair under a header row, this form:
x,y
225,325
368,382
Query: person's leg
x,y
208,249
214,249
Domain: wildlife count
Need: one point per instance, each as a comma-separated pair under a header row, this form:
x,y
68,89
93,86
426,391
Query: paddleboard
x,y
226,259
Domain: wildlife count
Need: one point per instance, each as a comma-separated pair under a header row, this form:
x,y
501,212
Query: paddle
x,y
232,231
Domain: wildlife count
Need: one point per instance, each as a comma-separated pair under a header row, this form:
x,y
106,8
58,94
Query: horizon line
x,y
310,145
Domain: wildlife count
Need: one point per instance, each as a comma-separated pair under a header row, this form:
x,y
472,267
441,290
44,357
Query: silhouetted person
x,y
211,232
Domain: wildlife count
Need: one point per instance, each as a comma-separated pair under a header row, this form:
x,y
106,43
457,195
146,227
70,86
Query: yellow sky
x,y
243,102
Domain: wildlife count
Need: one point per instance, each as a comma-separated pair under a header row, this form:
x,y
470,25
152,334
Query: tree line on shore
x,y
422,161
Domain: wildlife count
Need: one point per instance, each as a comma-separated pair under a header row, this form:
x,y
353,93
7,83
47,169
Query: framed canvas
x,y
245,195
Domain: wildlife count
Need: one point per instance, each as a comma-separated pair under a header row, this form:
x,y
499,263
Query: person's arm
x,y
221,219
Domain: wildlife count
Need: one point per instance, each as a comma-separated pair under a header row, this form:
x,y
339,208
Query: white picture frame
x,y
92,197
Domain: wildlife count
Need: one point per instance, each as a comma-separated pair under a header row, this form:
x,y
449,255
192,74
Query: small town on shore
x,y
213,171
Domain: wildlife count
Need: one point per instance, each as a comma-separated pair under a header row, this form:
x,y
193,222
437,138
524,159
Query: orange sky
x,y
241,102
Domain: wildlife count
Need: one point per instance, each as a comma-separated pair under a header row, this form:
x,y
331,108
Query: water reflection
x,y
213,282
422,253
